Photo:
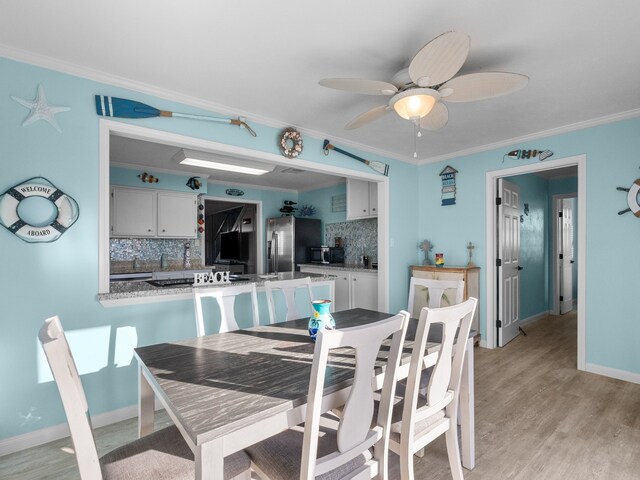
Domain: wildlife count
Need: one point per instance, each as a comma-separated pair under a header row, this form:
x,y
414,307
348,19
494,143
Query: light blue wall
x,y
612,304
534,245
128,177
40,280
321,200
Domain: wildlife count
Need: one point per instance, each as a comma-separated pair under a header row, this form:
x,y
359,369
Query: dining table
x,y
229,390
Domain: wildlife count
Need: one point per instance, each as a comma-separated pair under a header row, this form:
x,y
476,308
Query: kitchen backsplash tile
x,y
148,249
358,236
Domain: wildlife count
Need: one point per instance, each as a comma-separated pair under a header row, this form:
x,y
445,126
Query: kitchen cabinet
x,y
362,199
177,217
137,212
133,212
364,290
470,275
353,288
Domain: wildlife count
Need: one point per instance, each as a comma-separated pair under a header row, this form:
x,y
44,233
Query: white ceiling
x,y
264,59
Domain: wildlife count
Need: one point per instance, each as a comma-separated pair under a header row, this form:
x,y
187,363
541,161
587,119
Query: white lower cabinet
x,y
364,290
353,288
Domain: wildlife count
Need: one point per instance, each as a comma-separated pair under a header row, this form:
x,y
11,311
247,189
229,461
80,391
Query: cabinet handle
x,y
163,230
364,210
354,279
373,209
149,230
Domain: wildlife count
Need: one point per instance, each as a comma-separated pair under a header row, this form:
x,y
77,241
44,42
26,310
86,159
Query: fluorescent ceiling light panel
x,y
204,160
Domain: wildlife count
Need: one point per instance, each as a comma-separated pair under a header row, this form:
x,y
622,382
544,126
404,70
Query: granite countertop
x,y
339,267
138,289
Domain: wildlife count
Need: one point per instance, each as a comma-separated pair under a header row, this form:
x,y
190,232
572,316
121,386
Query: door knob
x,y
520,268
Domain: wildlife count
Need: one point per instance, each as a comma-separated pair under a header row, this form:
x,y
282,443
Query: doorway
x,y
564,264
492,246
230,235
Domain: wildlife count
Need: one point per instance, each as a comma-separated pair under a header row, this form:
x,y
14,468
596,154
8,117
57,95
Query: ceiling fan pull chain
x,y
417,133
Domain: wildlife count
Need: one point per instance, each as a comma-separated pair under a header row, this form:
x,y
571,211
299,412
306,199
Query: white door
x,y
508,322
565,254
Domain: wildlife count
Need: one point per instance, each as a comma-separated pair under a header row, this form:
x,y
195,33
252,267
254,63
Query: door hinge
x,y
561,298
560,256
498,201
498,262
499,323
560,214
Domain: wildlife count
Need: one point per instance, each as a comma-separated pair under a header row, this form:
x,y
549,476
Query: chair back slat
x,y
74,401
289,289
447,370
435,289
354,431
225,297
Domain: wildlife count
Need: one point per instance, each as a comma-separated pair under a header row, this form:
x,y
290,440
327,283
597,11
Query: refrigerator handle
x,y
274,256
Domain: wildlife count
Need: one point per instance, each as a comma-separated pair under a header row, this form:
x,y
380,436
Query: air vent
x,y
292,170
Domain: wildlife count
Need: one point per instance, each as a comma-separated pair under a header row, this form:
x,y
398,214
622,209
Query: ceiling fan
x,y
418,92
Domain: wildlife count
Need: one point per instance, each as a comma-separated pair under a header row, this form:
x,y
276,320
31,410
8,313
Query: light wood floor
x,y
537,417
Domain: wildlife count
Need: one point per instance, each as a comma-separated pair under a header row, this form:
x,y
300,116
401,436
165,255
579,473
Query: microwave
x,y
326,255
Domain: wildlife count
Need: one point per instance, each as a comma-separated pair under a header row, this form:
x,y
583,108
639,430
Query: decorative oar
x,y
379,167
123,108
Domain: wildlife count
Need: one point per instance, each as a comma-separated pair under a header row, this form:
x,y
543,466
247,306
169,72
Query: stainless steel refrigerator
x,y
288,242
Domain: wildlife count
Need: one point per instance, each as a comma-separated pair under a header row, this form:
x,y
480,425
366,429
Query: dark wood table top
x,y
224,382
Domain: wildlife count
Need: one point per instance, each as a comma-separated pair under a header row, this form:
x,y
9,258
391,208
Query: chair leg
x,y
420,453
453,452
406,464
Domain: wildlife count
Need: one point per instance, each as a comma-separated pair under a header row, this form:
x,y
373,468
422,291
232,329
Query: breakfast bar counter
x,y
138,292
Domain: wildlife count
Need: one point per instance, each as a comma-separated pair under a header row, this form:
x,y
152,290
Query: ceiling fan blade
x,y
440,59
437,117
360,85
478,86
367,117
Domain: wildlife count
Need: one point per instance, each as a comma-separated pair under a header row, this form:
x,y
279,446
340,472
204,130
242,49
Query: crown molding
x,y
616,117
69,68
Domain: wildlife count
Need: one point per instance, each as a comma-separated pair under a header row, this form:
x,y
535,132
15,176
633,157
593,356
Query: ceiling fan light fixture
x,y
414,103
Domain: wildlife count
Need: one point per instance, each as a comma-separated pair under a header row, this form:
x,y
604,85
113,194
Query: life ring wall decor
x,y
290,142
14,215
632,198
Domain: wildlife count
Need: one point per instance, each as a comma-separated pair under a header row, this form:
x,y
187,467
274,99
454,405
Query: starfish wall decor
x,y
40,109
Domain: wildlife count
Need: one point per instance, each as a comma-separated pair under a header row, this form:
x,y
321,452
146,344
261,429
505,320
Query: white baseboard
x,y
49,434
631,377
535,317
483,343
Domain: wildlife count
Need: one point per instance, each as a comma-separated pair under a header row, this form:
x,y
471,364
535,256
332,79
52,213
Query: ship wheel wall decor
x,y
632,198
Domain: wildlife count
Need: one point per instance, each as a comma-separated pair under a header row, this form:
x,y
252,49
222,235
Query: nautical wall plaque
x,y
448,176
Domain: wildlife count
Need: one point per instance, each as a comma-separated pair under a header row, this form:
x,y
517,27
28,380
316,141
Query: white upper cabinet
x,y
137,212
177,215
362,199
133,212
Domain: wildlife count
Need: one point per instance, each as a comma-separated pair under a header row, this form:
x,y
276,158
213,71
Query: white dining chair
x,y
315,451
434,289
290,289
418,420
162,455
226,298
